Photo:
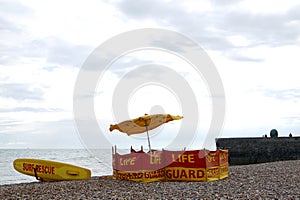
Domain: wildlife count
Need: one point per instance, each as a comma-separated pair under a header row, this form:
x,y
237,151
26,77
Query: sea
x,y
97,160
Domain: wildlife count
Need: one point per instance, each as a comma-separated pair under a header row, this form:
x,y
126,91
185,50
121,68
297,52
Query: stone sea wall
x,y
260,150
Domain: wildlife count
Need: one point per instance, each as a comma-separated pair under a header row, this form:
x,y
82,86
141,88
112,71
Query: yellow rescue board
x,y
47,170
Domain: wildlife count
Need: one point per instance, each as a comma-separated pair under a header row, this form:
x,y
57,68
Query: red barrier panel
x,y
129,166
196,165
212,165
223,159
153,167
184,166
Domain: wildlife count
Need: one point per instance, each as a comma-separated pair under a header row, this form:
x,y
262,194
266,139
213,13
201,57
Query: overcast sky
x,y
254,45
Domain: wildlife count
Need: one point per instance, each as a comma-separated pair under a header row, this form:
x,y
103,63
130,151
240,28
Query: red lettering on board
x,y
28,167
45,169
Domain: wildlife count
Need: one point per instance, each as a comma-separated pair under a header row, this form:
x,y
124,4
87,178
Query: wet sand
x,y
277,180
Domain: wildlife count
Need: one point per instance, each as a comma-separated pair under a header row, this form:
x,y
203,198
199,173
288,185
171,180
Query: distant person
x,y
290,135
266,136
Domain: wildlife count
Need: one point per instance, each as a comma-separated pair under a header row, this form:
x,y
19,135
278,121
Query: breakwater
x,y
244,151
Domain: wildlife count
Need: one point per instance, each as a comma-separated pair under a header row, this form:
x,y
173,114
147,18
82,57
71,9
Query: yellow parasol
x,y
144,123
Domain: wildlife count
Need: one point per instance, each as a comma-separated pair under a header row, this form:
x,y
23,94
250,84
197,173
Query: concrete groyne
x,y
260,150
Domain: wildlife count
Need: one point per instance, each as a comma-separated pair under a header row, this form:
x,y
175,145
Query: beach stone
x,y
277,180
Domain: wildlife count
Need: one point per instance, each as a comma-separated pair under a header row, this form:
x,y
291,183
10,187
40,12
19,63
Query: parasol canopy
x,y
143,124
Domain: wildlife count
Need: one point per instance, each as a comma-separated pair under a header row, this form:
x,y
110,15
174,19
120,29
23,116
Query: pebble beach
x,y
276,180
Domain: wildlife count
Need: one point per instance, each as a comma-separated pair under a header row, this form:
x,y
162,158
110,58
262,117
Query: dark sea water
x,y
98,161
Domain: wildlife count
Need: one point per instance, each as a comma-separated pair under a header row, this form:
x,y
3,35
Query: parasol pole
x,y
148,139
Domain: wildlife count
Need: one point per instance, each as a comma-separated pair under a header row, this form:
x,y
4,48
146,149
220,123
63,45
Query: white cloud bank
x,y
44,44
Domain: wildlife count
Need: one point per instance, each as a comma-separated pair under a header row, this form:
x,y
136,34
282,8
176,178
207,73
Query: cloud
x,y
270,29
12,14
285,94
196,25
18,41
52,49
8,122
14,8
213,27
12,29
39,50
292,120
145,9
56,134
20,91
148,72
6,25
240,57
59,51
50,68
30,109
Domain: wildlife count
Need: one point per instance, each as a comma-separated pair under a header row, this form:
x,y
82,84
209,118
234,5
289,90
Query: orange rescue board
x,y
48,170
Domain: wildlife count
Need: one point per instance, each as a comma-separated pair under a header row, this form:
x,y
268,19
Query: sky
x,y
254,46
